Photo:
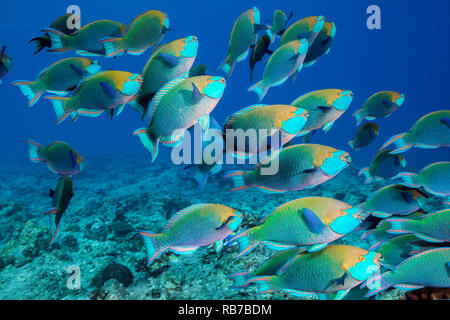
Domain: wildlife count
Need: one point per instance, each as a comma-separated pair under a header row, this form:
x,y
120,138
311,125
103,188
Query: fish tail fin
x,y
408,178
28,89
397,226
246,245
378,283
260,89
263,284
201,178
399,142
239,279
359,117
227,66
57,40
34,151
365,172
237,177
149,141
40,43
113,46
60,108
140,107
153,250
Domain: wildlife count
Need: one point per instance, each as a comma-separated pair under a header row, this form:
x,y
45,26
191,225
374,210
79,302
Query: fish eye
x,y
362,258
330,155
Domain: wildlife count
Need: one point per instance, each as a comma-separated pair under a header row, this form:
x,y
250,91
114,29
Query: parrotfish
x,y
300,167
198,70
310,222
283,120
61,198
394,200
59,78
5,63
258,52
209,165
427,269
193,227
287,60
379,235
279,23
380,105
145,31
321,45
168,62
307,28
59,24
103,91
433,227
385,165
434,178
176,107
86,40
399,248
331,273
243,36
268,268
324,108
59,157
429,132
364,136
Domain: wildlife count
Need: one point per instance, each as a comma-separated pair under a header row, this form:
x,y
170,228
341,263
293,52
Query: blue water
x,y
409,54
121,192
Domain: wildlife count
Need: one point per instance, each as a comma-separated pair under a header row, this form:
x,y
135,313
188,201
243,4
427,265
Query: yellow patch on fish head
x,y
210,86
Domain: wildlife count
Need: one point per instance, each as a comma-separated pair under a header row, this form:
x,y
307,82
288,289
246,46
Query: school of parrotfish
x,y
412,245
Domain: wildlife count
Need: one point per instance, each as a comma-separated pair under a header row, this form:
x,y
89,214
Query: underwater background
x,y
120,192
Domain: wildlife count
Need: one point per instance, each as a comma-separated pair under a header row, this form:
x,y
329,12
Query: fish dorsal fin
x,y
158,96
180,214
231,119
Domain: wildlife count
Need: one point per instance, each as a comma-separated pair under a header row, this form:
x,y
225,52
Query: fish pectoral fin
x,y
76,69
73,158
259,27
196,94
407,197
324,108
341,294
446,121
338,281
447,268
304,35
427,238
170,60
51,193
328,126
108,89
407,287
312,221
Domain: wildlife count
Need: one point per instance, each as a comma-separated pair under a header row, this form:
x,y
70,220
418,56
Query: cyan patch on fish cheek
x,y
344,224
235,223
166,22
214,89
190,49
400,100
130,87
257,16
303,48
333,30
333,165
319,24
293,125
344,101
364,269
